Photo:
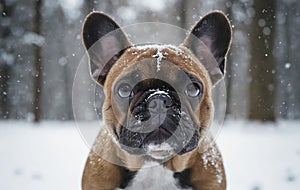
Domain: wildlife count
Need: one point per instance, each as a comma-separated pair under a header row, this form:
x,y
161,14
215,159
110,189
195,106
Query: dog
x,y
158,105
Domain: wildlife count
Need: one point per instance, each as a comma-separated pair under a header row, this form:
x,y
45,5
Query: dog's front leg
x,y
199,170
100,174
101,170
208,170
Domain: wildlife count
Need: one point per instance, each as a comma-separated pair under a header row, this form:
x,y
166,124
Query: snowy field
x,y
51,155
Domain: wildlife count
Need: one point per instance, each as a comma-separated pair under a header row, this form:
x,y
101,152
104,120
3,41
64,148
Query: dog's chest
x,y
153,177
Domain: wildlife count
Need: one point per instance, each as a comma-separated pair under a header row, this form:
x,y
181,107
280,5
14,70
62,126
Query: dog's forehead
x,y
167,60
160,53
151,60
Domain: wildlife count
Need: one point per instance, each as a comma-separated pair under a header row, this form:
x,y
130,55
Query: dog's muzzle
x,y
154,125
153,117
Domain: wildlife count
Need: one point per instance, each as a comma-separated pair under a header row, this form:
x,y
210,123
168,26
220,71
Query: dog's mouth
x,y
150,137
160,143
160,140
157,144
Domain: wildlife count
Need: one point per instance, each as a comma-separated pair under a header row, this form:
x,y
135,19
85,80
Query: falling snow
x,y
287,65
244,146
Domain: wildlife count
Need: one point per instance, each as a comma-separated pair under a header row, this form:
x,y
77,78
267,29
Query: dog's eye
x,y
124,90
193,90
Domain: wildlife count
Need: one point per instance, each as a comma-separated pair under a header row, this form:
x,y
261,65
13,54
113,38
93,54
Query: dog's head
x,y
157,97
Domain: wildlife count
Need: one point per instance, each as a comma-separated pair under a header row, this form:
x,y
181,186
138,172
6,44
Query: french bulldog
x,y
158,104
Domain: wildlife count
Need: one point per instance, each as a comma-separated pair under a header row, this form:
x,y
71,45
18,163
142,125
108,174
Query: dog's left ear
x,y
105,42
212,33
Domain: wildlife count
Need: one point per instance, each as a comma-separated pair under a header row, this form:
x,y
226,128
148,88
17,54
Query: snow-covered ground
x,y
51,155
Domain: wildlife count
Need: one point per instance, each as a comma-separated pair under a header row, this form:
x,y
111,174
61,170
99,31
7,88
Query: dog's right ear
x,y
212,33
105,42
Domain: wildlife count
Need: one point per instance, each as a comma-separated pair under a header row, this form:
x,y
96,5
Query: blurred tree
x,y
229,72
262,63
6,58
284,74
240,15
181,8
38,64
288,26
88,6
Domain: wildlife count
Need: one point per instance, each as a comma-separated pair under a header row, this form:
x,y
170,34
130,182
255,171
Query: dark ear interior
x,y
105,43
214,32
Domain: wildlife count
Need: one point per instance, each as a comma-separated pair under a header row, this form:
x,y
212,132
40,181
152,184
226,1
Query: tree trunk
x,y
88,6
262,62
181,7
228,76
38,64
287,59
4,66
4,77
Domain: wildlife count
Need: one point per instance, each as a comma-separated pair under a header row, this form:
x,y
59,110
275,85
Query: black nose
x,y
159,103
